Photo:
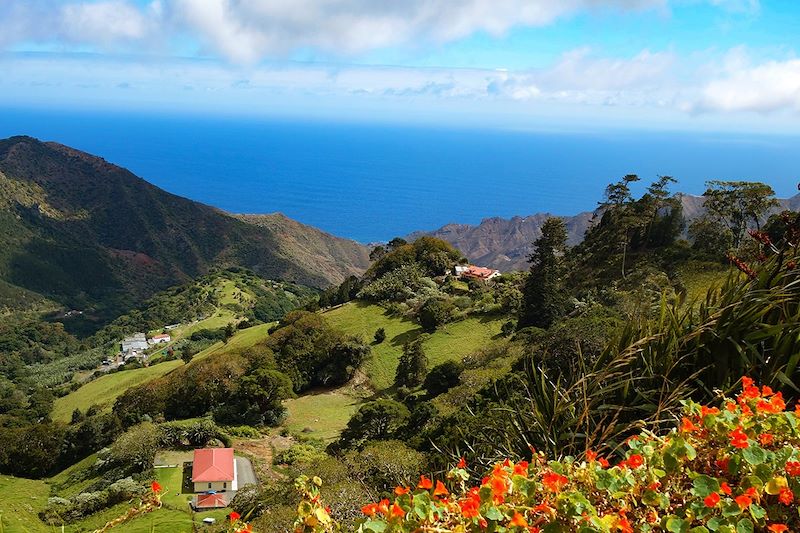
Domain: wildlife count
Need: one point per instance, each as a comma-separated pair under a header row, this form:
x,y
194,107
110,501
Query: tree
x,y
376,253
413,365
261,396
187,353
435,312
738,205
230,331
543,297
77,416
377,420
443,377
380,335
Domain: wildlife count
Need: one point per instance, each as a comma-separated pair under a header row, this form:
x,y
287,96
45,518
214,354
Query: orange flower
x,y
425,483
743,501
603,462
590,455
401,490
554,482
370,509
786,496
635,460
440,489
156,486
777,528
724,487
462,463
687,426
739,438
793,468
765,439
518,521
234,516
396,510
711,500
747,382
521,468
708,411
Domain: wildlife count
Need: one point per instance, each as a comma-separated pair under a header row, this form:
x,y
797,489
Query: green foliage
x,y
544,297
737,205
384,465
413,365
433,256
436,312
377,420
380,335
312,353
443,377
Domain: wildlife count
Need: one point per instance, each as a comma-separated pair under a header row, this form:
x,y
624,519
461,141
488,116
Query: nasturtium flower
x,y
765,439
398,490
777,528
440,489
725,488
635,461
793,468
687,426
425,483
518,521
371,509
711,500
234,516
462,463
554,482
155,486
744,501
521,468
739,438
397,511
786,496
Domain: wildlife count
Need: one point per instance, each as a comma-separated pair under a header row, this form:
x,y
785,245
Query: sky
x,y
709,65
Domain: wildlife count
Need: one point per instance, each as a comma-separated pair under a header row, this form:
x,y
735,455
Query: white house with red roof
x,y
479,273
214,470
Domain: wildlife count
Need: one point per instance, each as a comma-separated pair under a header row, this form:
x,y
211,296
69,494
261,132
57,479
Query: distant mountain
x,y
505,244
83,233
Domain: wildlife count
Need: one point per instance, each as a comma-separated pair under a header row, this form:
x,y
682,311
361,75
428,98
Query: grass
x,y
104,390
699,277
452,341
20,503
324,413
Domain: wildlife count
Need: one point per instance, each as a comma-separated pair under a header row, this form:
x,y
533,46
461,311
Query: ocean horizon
x,y
371,182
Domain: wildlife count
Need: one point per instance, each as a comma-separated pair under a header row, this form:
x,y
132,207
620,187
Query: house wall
x,y
218,486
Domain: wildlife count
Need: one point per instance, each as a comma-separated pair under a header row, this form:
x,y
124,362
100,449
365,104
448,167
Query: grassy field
x,y
105,390
325,414
699,277
20,503
450,342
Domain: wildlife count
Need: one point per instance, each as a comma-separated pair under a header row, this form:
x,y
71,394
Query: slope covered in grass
x,y
452,341
105,390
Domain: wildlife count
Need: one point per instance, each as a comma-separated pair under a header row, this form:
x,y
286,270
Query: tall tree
x,y
543,297
413,365
738,205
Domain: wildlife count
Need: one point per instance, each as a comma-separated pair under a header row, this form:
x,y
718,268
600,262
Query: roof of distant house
x,y
213,464
479,272
211,501
161,336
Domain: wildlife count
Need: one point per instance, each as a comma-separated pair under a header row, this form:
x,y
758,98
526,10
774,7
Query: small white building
x,y
134,343
159,339
214,469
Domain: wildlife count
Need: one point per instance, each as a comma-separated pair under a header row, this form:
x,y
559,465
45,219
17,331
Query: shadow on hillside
x,y
408,336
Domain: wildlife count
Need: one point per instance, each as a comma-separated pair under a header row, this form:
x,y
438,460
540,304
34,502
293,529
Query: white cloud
x,y
771,86
246,30
98,23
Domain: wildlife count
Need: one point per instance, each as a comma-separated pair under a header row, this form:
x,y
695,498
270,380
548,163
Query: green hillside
x,y
452,341
105,390
91,236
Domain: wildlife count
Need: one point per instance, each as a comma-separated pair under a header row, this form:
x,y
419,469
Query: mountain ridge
x,y
506,243
85,233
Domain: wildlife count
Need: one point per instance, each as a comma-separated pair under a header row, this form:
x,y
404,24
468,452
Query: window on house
x,y
209,485
224,484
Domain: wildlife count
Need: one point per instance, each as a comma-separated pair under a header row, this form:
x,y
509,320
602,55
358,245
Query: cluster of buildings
x,y
135,345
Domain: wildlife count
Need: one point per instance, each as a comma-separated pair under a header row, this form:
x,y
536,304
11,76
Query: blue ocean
x,y
372,182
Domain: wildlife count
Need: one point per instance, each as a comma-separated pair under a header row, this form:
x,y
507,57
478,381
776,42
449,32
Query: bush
x,y
435,312
380,335
443,377
729,469
300,454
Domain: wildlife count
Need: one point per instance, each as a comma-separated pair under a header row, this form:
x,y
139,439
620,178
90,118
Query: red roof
x,y
211,501
478,272
213,464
